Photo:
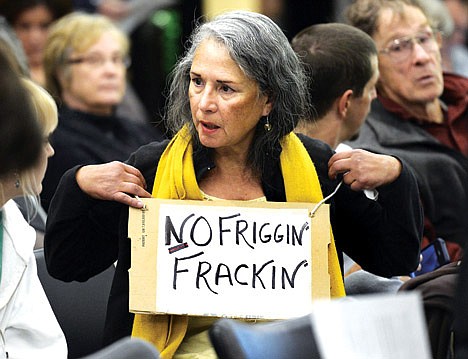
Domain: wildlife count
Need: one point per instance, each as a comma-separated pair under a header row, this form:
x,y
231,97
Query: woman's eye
x,y
197,81
226,88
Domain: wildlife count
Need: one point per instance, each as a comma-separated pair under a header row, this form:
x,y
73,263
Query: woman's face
x,y
97,77
41,166
31,27
226,105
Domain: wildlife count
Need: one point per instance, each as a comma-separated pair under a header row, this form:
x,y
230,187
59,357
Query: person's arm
x,y
81,232
364,170
382,236
84,220
114,181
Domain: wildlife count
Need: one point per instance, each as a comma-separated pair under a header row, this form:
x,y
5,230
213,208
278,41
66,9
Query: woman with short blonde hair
x,y
75,33
86,60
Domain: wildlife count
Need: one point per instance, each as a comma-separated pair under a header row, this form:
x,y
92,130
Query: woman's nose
x,y
207,100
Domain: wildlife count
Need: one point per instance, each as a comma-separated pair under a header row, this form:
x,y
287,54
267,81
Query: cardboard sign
x,y
228,258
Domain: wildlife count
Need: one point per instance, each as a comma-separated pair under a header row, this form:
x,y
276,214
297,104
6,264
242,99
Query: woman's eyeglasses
x,y
99,61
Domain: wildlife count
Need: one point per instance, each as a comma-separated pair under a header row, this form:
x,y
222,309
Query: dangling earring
x,y
17,181
267,125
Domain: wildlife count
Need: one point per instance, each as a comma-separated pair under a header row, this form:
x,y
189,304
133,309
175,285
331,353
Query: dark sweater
x,y
83,138
441,169
84,236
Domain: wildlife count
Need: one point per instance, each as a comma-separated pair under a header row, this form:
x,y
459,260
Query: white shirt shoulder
x,y
28,326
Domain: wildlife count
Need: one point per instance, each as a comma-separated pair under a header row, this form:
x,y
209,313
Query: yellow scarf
x,y
175,179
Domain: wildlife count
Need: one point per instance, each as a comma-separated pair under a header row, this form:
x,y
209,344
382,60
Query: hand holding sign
x,y
114,181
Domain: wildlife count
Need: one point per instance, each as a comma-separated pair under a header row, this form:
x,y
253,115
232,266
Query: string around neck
x,y
317,206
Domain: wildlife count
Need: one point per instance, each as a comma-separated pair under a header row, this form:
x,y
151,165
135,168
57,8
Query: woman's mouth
x,y
209,126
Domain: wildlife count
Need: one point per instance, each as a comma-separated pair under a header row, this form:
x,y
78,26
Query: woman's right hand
x,y
113,181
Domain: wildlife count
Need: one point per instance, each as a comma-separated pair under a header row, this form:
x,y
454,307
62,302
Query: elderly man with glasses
x,y
420,114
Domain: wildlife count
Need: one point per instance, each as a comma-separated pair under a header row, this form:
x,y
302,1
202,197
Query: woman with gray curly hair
x,y
279,78
234,100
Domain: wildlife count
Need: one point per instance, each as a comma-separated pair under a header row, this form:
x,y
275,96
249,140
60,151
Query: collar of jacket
x,y
390,130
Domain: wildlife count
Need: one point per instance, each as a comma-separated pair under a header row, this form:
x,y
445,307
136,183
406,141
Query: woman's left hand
x,y
113,181
364,170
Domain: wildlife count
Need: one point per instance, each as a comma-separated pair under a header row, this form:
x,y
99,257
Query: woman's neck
x,y
232,179
74,104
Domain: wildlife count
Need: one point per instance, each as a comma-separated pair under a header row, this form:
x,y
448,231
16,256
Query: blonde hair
x,y
75,32
45,111
43,105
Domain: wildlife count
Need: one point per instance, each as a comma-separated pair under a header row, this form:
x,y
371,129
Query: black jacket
x,y
441,172
84,236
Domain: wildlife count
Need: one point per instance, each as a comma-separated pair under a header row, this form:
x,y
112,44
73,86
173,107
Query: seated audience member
x,y
459,329
11,48
235,98
85,62
420,114
155,30
28,325
30,19
341,83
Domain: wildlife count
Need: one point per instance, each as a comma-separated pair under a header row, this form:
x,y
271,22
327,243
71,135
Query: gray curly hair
x,y
264,54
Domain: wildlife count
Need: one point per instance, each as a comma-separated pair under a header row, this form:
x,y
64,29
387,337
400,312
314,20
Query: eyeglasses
x,y
99,61
401,49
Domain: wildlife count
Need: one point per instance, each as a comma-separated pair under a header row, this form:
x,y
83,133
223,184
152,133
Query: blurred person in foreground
x,y
21,138
11,47
235,98
28,324
341,84
86,58
420,114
